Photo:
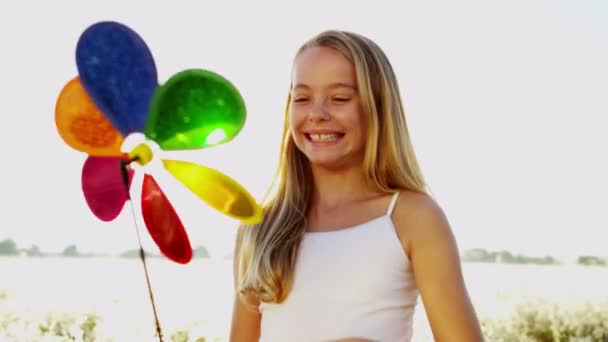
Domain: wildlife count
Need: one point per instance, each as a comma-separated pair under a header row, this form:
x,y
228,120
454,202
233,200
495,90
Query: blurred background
x,y
506,106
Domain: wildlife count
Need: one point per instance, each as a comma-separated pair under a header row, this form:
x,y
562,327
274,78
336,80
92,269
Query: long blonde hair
x,y
266,257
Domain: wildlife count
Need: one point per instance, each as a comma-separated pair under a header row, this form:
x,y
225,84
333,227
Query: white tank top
x,y
352,282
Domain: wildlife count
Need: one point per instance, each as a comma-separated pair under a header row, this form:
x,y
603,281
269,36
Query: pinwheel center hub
x,y
141,154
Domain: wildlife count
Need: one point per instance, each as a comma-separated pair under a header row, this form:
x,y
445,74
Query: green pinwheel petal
x,y
195,109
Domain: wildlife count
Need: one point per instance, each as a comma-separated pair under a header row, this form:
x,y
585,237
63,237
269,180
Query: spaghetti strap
x,y
391,206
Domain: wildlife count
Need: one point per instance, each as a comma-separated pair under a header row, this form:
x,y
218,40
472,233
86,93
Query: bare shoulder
x,y
433,253
417,216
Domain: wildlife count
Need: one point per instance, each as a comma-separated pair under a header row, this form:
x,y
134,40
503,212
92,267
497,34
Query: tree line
x,y
8,247
506,257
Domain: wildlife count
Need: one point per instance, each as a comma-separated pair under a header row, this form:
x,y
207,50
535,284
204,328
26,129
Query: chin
x,y
334,163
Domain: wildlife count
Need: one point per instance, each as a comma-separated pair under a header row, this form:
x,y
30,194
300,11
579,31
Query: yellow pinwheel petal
x,y
217,190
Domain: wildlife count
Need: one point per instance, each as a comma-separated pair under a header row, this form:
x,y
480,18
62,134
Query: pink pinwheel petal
x,y
103,186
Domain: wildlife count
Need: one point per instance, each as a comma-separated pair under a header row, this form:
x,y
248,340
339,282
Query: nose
x,y
318,112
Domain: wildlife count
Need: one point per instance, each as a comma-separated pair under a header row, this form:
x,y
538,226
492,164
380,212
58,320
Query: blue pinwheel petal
x,y
118,72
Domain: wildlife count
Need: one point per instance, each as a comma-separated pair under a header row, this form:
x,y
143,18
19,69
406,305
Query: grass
x,y
515,303
543,321
531,321
88,327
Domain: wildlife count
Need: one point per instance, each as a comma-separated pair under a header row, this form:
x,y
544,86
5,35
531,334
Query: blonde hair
x,y
267,252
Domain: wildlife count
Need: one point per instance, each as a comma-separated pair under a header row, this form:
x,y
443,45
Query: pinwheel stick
x,y
142,255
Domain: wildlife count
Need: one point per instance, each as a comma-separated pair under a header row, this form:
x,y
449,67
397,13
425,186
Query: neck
x,y
334,188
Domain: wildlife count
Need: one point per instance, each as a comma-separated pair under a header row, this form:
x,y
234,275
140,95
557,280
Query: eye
x,y
341,99
300,99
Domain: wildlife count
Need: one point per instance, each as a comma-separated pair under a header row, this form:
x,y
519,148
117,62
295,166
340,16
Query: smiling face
x,y
326,118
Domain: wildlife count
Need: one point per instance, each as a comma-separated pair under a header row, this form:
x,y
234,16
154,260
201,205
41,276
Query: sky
x,y
505,103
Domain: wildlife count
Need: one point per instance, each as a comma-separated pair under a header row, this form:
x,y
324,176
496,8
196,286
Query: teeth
x,y
323,137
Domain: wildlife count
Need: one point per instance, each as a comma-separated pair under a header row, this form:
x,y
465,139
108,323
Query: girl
x,y
351,237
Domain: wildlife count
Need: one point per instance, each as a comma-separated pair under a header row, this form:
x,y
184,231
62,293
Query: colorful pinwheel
x,y
116,94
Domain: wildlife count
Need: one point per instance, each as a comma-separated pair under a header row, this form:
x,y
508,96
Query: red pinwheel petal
x,y
163,223
103,186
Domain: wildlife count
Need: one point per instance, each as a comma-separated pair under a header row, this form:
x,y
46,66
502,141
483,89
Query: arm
x,y
436,263
245,326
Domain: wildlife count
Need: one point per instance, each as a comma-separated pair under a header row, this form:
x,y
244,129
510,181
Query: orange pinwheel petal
x,y
82,126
